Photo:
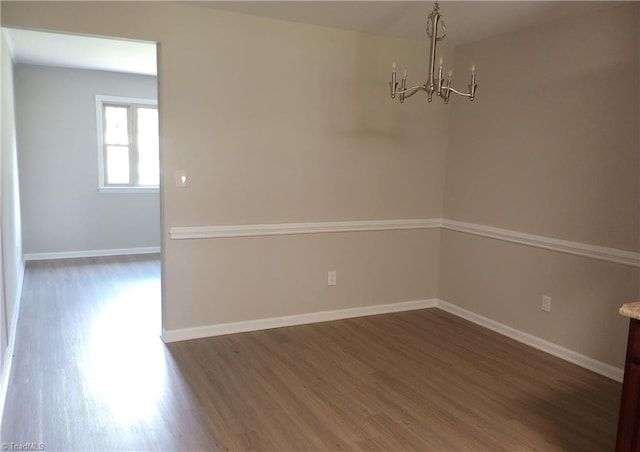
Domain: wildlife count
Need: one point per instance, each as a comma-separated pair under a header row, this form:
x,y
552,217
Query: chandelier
x,y
434,85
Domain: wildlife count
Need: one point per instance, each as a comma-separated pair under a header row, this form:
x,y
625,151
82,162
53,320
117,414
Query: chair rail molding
x,y
603,253
252,230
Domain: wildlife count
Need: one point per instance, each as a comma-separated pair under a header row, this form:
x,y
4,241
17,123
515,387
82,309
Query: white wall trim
x,y
249,230
6,37
591,364
603,253
564,246
91,253
8,356
291,320
128,190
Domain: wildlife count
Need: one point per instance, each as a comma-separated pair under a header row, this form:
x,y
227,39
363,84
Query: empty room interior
x,y
320,225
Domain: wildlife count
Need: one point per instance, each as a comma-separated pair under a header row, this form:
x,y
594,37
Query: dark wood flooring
x,y
90,373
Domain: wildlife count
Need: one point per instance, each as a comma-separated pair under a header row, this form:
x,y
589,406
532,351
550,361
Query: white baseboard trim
x,y
8,356
91,253
591,364
291,320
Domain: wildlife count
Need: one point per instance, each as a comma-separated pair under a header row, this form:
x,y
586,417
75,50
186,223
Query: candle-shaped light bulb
x,y
472,85
403,86
441,61
450,73
394,82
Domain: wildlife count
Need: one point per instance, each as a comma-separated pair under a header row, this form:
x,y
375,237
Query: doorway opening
x,y
88,150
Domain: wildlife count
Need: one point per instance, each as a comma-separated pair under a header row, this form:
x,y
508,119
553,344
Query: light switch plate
x,y
181,178
545,304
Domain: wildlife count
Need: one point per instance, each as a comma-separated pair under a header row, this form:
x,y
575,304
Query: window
x,y
128,145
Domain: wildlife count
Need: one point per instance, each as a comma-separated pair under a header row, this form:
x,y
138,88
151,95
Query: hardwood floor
x,y
90,373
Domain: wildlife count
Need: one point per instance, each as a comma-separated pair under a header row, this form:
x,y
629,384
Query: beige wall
x,y
550,148
62,209
254,278
505,282
309,136
279,122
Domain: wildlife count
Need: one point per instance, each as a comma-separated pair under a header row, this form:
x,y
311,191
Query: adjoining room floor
x,y
91,373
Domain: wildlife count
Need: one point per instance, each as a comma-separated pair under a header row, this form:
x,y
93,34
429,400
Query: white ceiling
x,y
64,50
466,21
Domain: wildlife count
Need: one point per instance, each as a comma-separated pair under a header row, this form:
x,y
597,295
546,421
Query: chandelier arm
x,y
413,89
455,91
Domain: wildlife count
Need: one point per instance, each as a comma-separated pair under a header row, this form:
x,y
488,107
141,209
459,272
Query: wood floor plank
x,y
90,373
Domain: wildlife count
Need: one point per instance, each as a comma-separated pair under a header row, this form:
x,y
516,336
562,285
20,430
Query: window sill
x,y
129,189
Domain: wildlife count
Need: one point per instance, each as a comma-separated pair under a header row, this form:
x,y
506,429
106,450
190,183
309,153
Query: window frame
x,y
129,102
